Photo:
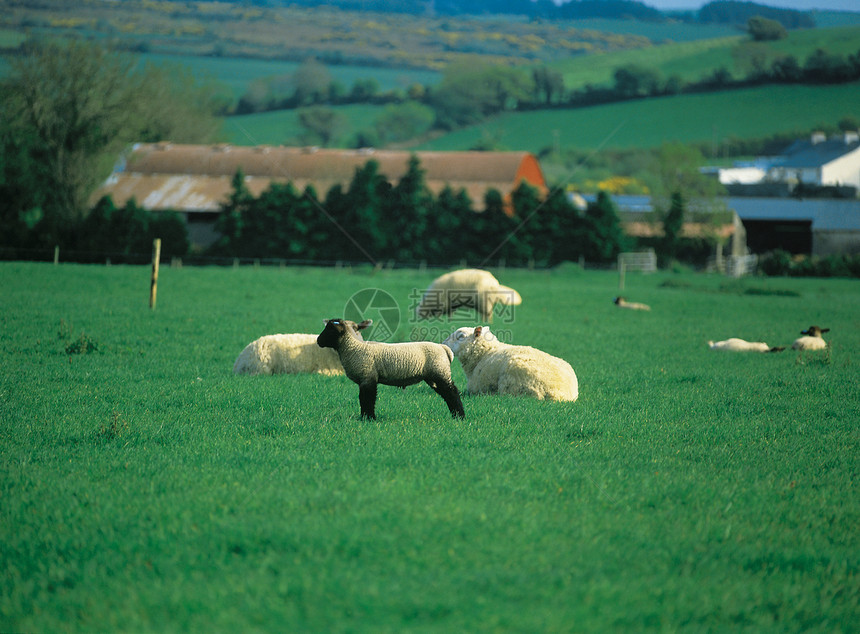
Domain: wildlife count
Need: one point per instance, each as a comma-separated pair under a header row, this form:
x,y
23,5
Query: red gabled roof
x,y
192,178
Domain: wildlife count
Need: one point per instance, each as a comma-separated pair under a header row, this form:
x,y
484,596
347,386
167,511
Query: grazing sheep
x,y
288,354
811,340
495,367
472,288
369,363
623,303
739,345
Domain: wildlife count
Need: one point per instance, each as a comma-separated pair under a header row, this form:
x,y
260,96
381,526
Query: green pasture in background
x,y
239,73
648,123
747,112
144,487
693,60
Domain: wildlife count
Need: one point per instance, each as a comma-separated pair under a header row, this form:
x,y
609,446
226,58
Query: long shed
x,y
195,180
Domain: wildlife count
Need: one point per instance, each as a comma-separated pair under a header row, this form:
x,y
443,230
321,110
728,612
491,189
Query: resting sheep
x,y
812,339
623,303
495,367
288,354
739,345
369,363
471,288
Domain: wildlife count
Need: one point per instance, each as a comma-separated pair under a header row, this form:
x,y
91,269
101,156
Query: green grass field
x,y
282,127
708,118
752,112
693,59
238,74
144,487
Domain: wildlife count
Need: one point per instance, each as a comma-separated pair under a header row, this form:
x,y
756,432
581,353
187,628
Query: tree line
x,y
373,219
717,12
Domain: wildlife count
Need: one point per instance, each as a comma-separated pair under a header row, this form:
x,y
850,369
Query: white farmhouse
x,y
819,160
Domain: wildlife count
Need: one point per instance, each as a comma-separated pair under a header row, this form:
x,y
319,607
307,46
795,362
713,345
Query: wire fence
x,y
58,256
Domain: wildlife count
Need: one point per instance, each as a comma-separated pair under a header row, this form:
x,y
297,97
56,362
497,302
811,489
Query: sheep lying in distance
x,y
295,353
739,345
812,339
498,368
623,303
472,288
369,363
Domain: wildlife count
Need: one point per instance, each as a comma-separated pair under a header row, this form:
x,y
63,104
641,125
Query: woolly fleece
x,y
739,345
472,288
812,339
287,354
494,367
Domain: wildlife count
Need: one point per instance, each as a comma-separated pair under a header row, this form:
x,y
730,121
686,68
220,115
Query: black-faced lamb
x,y
623,303
294,353
369,363
470,288
494,367
812,339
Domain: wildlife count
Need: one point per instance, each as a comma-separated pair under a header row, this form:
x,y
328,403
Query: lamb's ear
x,y
478,331
364,324
825,330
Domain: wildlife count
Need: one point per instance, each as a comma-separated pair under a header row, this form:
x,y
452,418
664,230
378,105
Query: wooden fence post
x,y
156,256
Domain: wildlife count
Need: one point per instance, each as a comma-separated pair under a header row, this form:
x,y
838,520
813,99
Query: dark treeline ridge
x,y
719,12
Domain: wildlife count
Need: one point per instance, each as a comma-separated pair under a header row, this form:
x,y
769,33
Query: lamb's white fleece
x,y
739,345
287,354
472,288
812,339
623,303
498,368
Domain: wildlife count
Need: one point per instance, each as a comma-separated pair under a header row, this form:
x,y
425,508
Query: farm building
x,y
811,226
194,180
815,162
819,160
638,220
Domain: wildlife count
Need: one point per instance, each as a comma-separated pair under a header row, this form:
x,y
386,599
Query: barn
x,y
195,180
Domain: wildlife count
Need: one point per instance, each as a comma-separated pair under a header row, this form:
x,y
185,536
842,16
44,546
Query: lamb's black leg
x,y
367,399
448,391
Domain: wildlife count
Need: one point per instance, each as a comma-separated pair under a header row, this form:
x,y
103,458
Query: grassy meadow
x,y
144,487
691,60
648,123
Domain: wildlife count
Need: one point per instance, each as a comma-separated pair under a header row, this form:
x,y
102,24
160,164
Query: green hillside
x,y
703,118
712,117
281,127
695,59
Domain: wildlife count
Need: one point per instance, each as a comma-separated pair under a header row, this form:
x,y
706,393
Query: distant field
x,y
145,488
238,74
659,31
693,60
281,127
709,118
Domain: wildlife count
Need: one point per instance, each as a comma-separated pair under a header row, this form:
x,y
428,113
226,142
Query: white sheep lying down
x,y
622,302
812,339
739,345
369,363
295,353
472,288
494,367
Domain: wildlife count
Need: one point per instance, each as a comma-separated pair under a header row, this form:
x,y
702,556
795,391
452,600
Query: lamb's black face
x,y
328,338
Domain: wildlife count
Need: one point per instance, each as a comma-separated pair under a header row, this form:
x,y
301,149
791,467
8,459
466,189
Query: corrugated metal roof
x,y
826,214
196,178
810,153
